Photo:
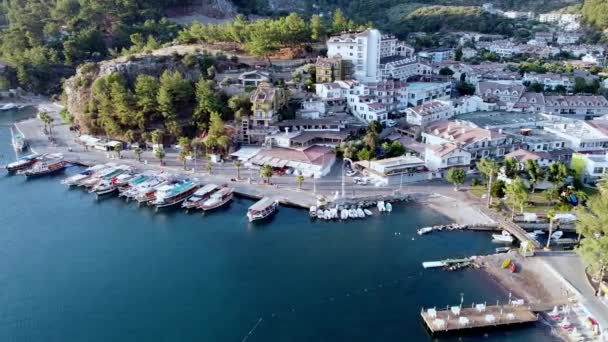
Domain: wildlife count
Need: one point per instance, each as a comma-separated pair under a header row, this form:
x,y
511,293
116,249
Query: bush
x,y
476,182
498,189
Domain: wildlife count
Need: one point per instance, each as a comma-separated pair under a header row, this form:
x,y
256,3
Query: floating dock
x,y
444,263
458,318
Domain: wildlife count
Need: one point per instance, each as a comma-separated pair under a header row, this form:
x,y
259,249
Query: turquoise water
x,y
76,269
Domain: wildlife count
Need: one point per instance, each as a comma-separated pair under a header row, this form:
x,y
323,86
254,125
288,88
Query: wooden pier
x,y
480,316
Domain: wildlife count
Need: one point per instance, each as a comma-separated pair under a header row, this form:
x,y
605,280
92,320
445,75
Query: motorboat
x,y
105,187
360,213
557,235
22,163
327,214
502,249
381,206
367,212
134,191
539,232
424,230
148,194
320,213
505,237
389,207
313,212
176,195
262,209
81,176
352,213
199,196
344,214
218,199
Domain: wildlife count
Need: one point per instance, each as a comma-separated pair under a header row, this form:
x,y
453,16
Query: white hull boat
x,y
344,214
381,206
389,207
360,213
557,235
367,212
504,237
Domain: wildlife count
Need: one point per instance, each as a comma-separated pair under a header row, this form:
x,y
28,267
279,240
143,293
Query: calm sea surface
x,y
76,269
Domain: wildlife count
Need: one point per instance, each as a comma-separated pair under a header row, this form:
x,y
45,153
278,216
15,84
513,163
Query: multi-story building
x,y
550,81
422,92
426,113
436,56
373,101
504,93
361,49
266,102
582,105
566,37
438,158
479,142
330,69
583,136
590,167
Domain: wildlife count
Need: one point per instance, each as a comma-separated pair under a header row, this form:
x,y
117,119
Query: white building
x,y
311,161
565,37
429,112
583,136
436,56
445,156
361,49
422,92
312,108
470,104
550,81
591,166
393,171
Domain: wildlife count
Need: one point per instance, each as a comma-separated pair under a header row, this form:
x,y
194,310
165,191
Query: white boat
x,y
531,235
327,214
8,106
352,213
502,249
140,188
105,187
389,207
381,206
218,199
176,195
344,214
334,213
80,177
505,236
539,232
424,230
199,197
312,211
360,213
367,212
262,209
557,235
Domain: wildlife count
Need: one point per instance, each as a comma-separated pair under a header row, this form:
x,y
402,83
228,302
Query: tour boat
x,y
503,237
123,180
262,209
80,177
148,194
109,172
218,199
45,168
176,195
199,196
22,163
134,190
557,235
105,187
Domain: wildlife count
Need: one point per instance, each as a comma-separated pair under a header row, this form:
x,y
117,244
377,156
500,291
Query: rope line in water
x,y
252,329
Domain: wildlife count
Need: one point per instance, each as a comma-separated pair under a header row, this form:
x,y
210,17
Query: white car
x,y
360,181
391,123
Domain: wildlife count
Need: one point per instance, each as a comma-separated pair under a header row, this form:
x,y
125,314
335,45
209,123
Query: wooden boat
x,y
218,199
22,163
262,209
199,196
175,195
45,168
506,263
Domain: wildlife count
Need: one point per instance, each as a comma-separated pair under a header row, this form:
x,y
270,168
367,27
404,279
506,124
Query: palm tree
x,y
137,151
224,142
183,157
238,164
196,144
551,217
160,154
118,149
300,180
489,168
266,172
518,194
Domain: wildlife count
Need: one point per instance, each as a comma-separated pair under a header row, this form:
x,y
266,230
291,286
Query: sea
x,y
74,268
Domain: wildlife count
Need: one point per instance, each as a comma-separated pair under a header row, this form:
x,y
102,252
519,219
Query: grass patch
x,y
478,190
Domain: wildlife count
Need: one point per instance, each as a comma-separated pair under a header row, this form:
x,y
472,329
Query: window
x,y
598,170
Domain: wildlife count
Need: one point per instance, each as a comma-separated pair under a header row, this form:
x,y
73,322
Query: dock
x,y
479,316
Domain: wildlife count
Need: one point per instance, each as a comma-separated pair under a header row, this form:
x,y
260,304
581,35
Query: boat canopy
x,y
205,190
262,204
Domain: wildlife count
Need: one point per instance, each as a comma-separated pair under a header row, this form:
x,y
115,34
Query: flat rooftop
x,y
498,119
424,85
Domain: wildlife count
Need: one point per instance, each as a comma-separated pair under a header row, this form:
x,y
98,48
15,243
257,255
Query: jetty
x,y
445,263
478,316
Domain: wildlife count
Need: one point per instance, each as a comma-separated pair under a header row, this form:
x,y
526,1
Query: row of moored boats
x,y
35,165
345,212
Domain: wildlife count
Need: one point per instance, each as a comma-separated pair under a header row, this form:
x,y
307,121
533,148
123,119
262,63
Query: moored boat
x,y
199,196
19,142
557,235
44,168
175,195
105,187
218,199
503,237
22,163
389,207
262,209
76,179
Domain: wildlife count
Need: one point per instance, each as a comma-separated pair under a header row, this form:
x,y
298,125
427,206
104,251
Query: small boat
x,y
352,213
557,235
44,168
424,230
381,206
327,214
360,213
175,195
218,199
262,209
531,235
367,212
344,214
502,249
313,212
512,267
320,213
199,196
389,207
105,187
539,232
22,163
76,179
503,237
505,263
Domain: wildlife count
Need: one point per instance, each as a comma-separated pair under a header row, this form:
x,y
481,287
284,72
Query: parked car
x,y
360,181
391,123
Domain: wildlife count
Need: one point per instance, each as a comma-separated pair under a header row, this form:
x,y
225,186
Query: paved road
x,y
570,266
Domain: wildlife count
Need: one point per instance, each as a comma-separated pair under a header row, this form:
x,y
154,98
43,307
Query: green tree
x,y
536,174
238,165
138,152
551,217
160,155
371,140
118,150
240,106
592,224
317,28
552,194
209,167
456,177
146,93
185,144
445,71
498,189
206,100
183,157
157,137
365,154
266,172
300,180
518,194
339,21
557,173
489,168
197,147
511,167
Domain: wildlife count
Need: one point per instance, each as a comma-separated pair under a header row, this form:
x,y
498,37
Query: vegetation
x,y
518,195
536,174
592,224
266,172
456,177
489,168
595,13
300,180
